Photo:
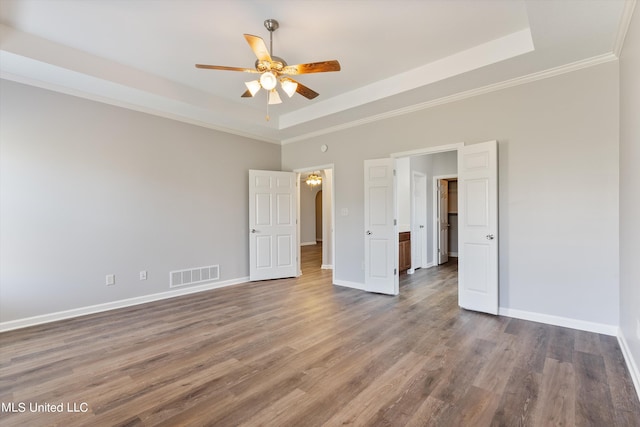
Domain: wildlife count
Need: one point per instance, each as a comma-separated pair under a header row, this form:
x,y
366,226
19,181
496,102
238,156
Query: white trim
x,y
625,21
582,325
347,284
429,150
540,75
326,267
484,54
308,243
634,372
453,254
98,308
430,265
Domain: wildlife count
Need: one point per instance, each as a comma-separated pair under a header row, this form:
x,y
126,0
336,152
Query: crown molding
x,y
541,75
625,21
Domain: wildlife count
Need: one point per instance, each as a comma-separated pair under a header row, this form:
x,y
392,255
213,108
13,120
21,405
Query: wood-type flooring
x,y
301,352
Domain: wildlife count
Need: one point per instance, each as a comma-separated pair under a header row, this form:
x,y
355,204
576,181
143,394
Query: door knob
x,y
369,233
253,230
489,236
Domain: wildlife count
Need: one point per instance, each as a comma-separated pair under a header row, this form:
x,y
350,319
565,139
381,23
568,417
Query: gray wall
x,y
629,192
89,189
558,186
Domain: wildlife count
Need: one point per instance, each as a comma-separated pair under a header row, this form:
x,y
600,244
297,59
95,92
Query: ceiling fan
x,y
273,69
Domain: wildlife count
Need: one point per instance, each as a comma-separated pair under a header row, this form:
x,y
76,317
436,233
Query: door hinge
x,y
395,271
395,222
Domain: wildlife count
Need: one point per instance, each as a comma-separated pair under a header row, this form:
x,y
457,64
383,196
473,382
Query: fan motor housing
x,y
277,64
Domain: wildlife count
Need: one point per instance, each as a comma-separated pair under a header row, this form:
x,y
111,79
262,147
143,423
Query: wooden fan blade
x,y
314,67
259,47
221,67
303,90
246,94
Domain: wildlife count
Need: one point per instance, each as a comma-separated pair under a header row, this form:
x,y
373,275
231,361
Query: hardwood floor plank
x,y
301,352
495,373
476,407
392,382
594,406
557,395
621,386
519,399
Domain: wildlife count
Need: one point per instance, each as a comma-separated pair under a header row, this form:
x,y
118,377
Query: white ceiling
x,y
396,56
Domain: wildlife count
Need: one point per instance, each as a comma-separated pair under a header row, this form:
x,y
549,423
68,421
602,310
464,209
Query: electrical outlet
x,y
111,279
143,275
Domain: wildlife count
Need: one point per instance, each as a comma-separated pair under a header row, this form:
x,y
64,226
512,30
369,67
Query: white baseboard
x,y
308,243
453,254
429,265
326,267
631,363
347,284
582,325
83,311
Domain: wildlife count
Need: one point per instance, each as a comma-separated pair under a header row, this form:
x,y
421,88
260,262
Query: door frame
x,y
328,222
436,231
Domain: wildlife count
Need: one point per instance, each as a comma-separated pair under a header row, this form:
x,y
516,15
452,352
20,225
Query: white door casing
x,y
443,221
380,233
272,225
478,227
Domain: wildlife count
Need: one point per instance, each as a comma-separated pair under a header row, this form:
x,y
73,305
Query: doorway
x,y
417,179
445,214
315,218
477,168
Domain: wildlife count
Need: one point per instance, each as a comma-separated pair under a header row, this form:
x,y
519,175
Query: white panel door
x,y
272,225
419,221
443,221
478,227
380,237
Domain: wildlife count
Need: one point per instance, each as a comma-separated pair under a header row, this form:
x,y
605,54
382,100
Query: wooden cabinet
x,y
405,251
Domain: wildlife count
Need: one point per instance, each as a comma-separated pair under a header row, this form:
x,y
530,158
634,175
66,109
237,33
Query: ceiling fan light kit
x,y
273,69
268,80
253,86
289,86
274,97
